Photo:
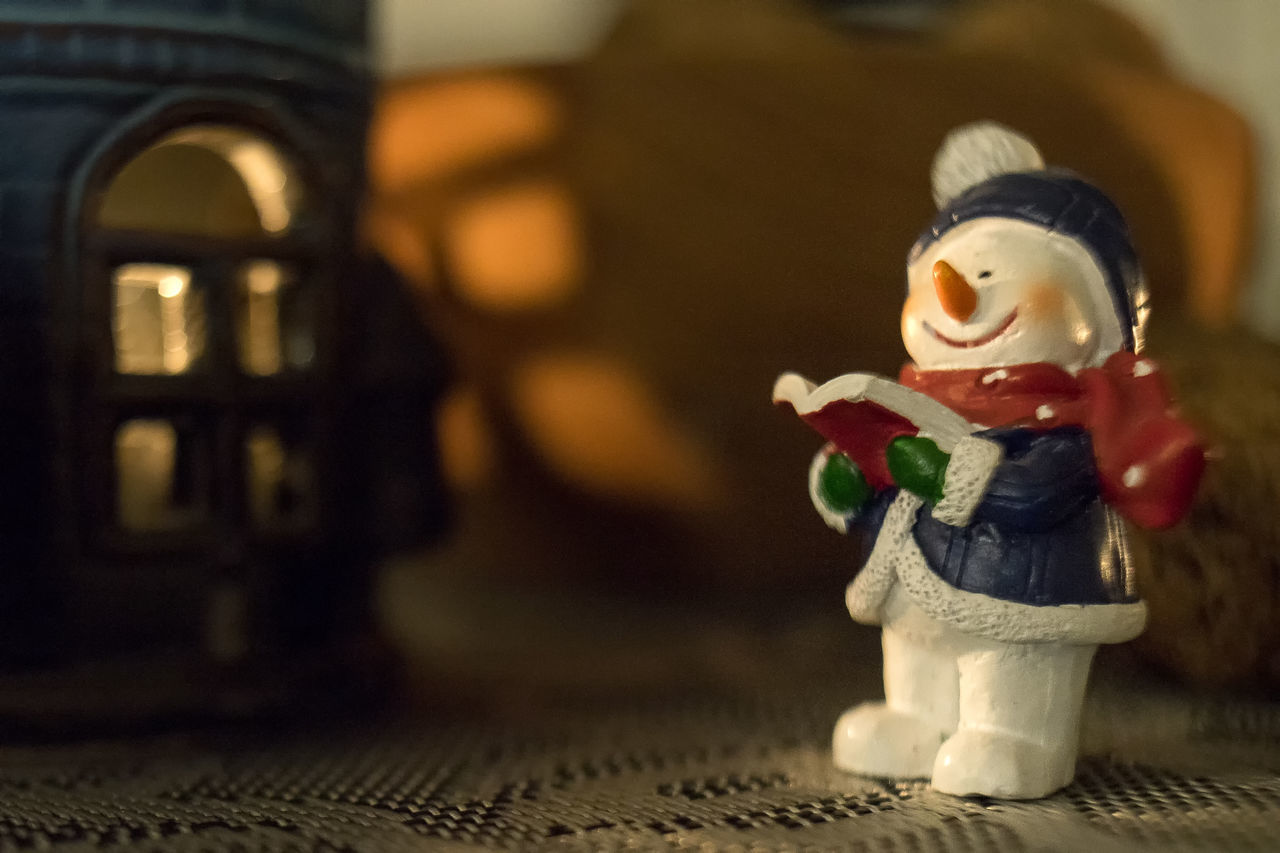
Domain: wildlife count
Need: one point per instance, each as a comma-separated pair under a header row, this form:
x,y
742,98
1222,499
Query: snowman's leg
x,y
900,736
1019,724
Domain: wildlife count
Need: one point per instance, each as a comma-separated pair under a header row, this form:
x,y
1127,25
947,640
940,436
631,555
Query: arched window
x,y
216,191
202,241
248,188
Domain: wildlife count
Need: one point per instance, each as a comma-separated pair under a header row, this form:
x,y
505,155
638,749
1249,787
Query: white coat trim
x,y
865,596
973,464
897,559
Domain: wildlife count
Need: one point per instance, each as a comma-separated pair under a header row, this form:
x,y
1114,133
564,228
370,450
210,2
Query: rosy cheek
x,y
1044,304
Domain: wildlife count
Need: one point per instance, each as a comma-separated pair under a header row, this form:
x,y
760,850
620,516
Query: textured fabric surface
x,y
741,775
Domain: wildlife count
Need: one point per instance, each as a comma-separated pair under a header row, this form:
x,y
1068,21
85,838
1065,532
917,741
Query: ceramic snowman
x,y
999,560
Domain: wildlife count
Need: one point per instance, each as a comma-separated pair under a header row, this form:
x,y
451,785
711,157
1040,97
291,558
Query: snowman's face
x,y
997,292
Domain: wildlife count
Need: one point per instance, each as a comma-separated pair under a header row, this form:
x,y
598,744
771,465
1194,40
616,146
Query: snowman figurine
x,y
997,568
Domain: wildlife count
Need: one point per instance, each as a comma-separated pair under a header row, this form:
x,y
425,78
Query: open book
x,y
860,413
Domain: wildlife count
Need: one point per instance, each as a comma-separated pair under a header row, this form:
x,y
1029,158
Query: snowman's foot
x,y
875,740
1001,765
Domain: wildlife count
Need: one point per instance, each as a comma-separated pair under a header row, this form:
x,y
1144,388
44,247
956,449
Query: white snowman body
x,y
982,695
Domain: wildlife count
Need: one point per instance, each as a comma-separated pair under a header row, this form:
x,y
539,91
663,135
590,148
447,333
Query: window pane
x,y
159,482
275,320
280,480
159,320
209,180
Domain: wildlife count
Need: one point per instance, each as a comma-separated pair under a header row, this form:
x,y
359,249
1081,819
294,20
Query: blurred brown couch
x,y
728,189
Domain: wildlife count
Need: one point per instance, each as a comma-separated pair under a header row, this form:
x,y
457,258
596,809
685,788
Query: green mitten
x,y
918,466
842,487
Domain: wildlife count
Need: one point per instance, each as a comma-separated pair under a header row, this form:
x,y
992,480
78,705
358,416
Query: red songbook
x,y
860,413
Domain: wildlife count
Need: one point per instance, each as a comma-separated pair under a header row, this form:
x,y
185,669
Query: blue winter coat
x,y
1041,534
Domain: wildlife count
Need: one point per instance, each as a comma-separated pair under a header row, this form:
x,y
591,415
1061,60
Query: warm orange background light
x,y
466,441
598,424
515,248
427,129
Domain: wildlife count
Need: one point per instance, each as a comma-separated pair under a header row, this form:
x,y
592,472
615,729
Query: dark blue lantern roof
x,y
328,31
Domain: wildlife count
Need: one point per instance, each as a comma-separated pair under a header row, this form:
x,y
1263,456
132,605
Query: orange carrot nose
x,y
957,296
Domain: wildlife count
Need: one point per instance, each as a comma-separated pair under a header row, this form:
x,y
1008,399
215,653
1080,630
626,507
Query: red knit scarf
x,y
1149,461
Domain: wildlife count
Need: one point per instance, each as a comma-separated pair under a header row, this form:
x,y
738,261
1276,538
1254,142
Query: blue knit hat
x,y
971,182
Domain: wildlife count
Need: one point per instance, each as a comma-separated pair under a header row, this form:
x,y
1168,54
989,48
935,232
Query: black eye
x,y
985,274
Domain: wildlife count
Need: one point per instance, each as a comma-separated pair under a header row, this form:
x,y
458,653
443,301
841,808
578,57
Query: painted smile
x,y
975,342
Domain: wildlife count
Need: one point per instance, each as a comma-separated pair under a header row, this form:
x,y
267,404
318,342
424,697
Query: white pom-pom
x,y
974,152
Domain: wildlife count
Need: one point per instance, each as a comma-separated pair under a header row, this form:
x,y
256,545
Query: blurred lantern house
x,y
216,414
